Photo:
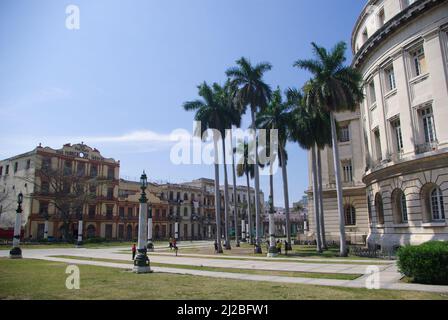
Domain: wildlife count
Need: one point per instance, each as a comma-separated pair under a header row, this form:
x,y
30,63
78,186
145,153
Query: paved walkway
x,y
388,275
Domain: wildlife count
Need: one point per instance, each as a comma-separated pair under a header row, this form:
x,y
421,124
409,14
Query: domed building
x,y
401,49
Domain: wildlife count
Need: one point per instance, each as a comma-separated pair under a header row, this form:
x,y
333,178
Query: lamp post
x,y
16,252
272,252
79,242
150,245
141,262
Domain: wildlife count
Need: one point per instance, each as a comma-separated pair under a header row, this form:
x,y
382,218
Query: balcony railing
x,y
426,147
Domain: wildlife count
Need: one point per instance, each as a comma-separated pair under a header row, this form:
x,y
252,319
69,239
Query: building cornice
x,y
395,23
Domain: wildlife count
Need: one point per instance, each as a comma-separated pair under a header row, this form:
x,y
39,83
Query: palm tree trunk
x,y
235,203
257,188
226,198
343,246
286,196
315,199
321,201
272,248
249,210
217,198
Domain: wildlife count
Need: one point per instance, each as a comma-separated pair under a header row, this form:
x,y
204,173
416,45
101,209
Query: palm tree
x,y
310,128
278,115
245,166
229,94
212,114
334,88
252,91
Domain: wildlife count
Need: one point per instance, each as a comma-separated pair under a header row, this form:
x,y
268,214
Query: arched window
x,y
350,215
399,206
436,203
129,232
379,208
185,196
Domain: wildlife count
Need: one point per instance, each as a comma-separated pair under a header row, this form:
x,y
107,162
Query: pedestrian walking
x,y
279,247
216,246
134,250
175,246
286,247
171,243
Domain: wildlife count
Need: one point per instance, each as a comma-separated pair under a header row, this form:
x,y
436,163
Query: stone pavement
x,y
387,271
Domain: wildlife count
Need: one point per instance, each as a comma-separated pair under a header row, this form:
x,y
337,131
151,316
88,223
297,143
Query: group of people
x,y
173,245
279,246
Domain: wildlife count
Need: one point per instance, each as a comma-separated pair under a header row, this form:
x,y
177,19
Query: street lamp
x,y
16,252
141,262
272,252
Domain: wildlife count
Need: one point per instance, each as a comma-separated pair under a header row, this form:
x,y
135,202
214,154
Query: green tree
x,y
334,87
252,91
213,114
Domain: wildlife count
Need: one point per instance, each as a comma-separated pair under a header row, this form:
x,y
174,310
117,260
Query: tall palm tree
x,y
252,91
335,87
212,114
245,166
231,104
278,115
311,129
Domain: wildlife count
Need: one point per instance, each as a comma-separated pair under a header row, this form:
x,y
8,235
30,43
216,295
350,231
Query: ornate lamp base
x,y
15,253
272,252
79,244
257,249
141,262
150,247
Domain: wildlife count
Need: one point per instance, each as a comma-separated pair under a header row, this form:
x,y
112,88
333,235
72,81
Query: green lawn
x,y
35,279
338,276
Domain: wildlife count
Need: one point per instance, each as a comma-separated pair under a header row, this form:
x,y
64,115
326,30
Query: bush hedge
x,y
426,263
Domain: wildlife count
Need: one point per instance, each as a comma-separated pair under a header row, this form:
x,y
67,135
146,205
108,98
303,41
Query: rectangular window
x,y
418,62
390,79
109,211
376,134
1,171
28,164
344,133
110,193
68,168
398,137
428,125
16,166
92,211
347,170
372,95
130,212
121,212
45,187
43,208
7,169
93,171
110,173
46,163
81,169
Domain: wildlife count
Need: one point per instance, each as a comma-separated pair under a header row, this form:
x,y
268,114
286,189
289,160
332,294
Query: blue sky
x,y
118,83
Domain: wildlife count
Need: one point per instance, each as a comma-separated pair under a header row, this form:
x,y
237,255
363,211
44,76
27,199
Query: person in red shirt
x,y
134,250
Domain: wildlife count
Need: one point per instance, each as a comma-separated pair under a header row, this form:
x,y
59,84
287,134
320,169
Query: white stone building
x,y
401,49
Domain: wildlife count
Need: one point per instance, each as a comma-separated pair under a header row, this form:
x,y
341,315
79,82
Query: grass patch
x,y
320,275
50,245
36,279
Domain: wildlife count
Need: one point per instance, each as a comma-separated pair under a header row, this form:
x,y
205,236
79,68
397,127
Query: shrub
x,y
426,263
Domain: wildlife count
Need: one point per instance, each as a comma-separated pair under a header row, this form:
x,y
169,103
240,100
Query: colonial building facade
x,y
107,205
401,49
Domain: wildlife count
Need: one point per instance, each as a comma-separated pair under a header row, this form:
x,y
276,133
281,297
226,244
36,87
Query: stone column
x,y
150,245
141,262
243,230
79,242
16,252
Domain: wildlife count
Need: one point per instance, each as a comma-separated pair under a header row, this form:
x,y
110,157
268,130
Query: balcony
x,y
426,147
